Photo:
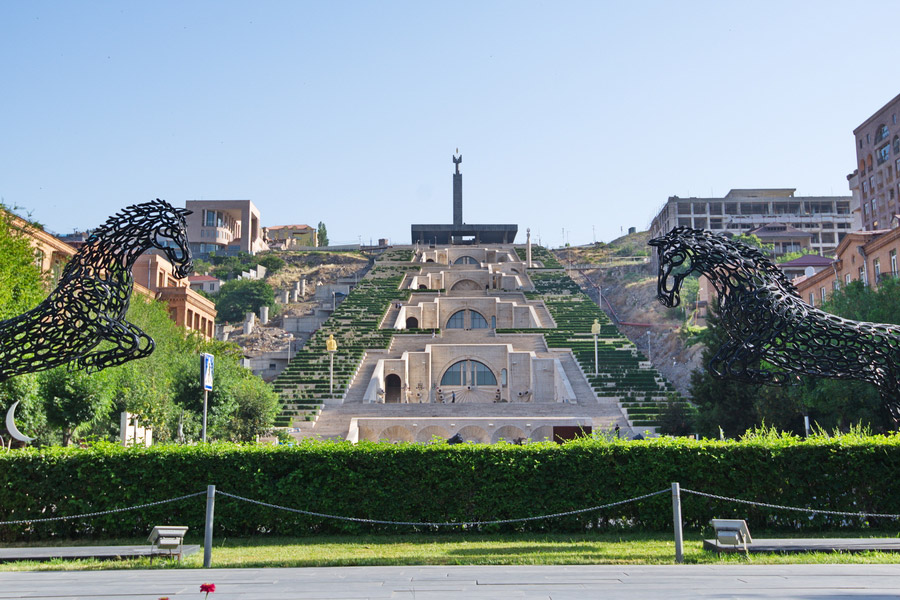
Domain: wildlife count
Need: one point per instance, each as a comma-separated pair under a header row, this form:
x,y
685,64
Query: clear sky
x,y
575,116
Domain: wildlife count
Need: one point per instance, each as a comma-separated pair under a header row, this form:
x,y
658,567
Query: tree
x,y
74,398
21,282
794,255
751,239
240,296
321,235
272,263
735,406
240,406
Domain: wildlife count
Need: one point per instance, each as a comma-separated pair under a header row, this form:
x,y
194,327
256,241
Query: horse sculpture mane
x,y
766,320
89,304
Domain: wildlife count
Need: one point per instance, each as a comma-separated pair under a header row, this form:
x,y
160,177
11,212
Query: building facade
x,y
866,256
289,236
877,176
186,307
224,227
826,218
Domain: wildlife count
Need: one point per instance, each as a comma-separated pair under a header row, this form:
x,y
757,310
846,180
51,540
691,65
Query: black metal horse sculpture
x,y
89,304
765,319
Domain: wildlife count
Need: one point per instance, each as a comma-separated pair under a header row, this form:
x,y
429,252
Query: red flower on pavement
x,y
207,587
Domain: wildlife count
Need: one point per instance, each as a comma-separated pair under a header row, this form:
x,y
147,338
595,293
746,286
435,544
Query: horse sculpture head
x,y
676,261
169,234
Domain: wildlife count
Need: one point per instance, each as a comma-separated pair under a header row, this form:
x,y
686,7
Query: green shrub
x,y
461,483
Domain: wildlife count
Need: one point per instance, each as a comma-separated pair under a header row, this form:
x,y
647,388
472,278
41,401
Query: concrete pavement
x,y
806,582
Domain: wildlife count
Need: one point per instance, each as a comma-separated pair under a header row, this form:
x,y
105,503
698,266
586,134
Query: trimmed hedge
x,y
467,482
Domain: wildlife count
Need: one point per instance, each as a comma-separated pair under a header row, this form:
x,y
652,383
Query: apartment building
x,y
867,256
224,227
876,180
827,219
290,236
186,307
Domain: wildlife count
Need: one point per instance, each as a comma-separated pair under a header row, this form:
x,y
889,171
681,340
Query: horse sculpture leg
x,y
731,361
130,343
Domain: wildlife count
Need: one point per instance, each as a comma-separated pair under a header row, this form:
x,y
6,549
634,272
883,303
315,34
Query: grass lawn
x,y
499,549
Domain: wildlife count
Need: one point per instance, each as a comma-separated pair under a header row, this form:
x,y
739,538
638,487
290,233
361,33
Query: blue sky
x,y
575,116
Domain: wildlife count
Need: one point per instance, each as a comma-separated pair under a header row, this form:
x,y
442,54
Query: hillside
x,y
622,269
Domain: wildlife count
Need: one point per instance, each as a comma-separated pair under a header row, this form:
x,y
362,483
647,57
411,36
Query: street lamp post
x,y
649,355
331,348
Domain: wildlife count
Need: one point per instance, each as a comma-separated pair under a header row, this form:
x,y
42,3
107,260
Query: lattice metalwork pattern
x,y
82,321
765,319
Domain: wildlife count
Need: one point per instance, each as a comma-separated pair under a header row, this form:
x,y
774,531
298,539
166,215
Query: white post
x,y
207,536
331,375
595,354
205,399
676,518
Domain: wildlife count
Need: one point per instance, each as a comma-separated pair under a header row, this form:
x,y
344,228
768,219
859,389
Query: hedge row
x,y
437,483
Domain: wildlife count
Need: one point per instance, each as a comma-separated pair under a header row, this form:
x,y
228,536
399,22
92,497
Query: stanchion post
x,y
676,518
207,535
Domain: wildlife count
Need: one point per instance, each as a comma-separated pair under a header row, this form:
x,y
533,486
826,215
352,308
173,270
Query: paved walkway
x,y
469,583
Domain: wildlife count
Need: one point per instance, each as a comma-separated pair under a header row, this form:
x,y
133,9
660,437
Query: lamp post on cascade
x,y
331,348
595,329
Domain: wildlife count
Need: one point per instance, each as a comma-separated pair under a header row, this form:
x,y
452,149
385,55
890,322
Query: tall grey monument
x,y
457,191
460,232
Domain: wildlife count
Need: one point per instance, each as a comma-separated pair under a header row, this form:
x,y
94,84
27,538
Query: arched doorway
x,y
412,323
392,386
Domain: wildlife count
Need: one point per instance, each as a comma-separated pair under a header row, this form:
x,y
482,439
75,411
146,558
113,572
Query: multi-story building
x,y
826,218
186,307
224,227
867,256
876,180
288,236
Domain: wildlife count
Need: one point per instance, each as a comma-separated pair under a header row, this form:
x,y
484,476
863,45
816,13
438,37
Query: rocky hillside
x,y
622,269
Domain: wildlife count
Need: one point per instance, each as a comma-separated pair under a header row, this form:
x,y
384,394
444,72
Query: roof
x,y
194,278
808,260
779,230
760,192
276,227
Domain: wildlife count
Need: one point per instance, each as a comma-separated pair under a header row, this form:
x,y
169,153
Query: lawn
x,y
499,549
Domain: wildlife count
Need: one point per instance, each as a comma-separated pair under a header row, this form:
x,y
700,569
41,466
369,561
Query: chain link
x,y
103,512
445,524
796,508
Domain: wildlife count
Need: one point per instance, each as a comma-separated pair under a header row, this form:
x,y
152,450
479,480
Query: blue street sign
x,y
208,362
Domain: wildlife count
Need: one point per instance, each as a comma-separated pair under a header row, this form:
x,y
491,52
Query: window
x,y
894,263
478,322
457,320
847,279
812,299
876,268
469,372
454,375
483,375
210,218
882,133
865,187
822,294
503,377
465,260
836,284
883,154
862,276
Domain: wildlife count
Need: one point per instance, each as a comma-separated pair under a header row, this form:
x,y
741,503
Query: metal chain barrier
x,y
445,524
795,508
102,512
